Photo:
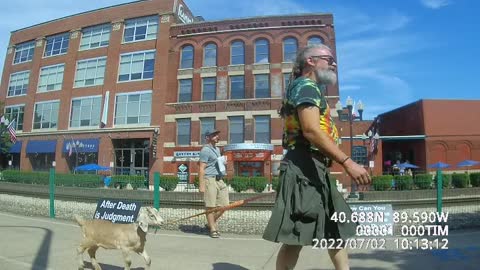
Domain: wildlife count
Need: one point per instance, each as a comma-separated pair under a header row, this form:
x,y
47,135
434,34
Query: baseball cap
x,y
211,132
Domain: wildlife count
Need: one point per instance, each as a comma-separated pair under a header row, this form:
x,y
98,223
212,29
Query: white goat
x,y
126,237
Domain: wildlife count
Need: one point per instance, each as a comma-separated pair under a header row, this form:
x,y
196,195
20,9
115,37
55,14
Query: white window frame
x,y
89,33
10,82
204,64
102,77
40,76
181,56
134,22
189,131
34,110
230,129
312,37
215,89
230,87
180,87
130,71
128,94
71,113
255,51
62,35
231,52
16,119
269,128
269,91
25,46
284,44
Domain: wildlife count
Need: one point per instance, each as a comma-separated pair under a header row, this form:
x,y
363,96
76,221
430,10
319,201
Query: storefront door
x,y
248,169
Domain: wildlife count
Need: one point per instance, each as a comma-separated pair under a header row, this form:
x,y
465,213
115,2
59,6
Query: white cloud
x,y
435,4
350,87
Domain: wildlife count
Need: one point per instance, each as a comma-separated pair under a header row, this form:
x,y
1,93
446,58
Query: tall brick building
x,y
134,87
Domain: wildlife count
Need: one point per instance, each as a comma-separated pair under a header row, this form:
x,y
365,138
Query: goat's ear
x,y
143,225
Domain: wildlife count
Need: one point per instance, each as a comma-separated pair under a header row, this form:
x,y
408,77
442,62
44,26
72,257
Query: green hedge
x,y
43,178
258,183
382,182
403,182
239,183
460,180
275,183
168,182
475,179
423,181
446,180
136,181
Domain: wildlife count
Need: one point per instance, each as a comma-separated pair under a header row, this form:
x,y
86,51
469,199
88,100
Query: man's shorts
x,y
216,192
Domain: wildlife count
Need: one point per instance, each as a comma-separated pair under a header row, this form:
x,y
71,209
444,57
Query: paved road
x,y
37,243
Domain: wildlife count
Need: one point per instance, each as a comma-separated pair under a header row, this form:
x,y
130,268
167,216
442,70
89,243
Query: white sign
x,y
248,146
371,164
183,154
184,17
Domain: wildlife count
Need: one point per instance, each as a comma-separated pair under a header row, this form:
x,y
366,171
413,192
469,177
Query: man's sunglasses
x,y
328,58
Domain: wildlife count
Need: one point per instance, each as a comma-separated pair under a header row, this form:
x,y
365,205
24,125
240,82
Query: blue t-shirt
x,y
209,155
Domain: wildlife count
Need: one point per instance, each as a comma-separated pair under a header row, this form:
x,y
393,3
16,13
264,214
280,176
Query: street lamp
x,y
351,117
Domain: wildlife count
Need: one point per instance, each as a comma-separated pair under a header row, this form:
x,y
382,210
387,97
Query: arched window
x,y
210,55
237,53
289,49
262,51
315,41
186,58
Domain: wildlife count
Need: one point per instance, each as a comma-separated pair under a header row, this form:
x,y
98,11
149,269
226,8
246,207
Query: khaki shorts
x,y
216,192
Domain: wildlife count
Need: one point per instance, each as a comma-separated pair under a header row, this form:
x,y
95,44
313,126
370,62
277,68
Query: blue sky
x,y
390,52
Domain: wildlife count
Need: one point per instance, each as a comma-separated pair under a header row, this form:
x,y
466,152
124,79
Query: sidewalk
x,y
40,243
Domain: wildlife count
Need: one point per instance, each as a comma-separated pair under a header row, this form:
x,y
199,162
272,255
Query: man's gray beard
x,y
326,76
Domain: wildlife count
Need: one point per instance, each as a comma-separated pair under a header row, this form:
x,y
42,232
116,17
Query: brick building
x,y
429,131
134,87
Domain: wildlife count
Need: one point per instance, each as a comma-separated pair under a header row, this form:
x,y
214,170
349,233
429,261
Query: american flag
x,y
12,131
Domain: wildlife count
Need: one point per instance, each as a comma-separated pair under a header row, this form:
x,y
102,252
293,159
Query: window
x,y
209,88
210,55
359,155
261,51
286,80
85,112
57,44
183,131
15,113
237,53
46,115
185,91
133,108
206,123
140,29
18,83
187,57
262,86
262,129
289,50
90,72
314,41
236,129
136,66
24,52
237,87
51,78
95,37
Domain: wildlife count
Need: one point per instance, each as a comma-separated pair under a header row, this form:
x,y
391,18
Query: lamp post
x,y
351,117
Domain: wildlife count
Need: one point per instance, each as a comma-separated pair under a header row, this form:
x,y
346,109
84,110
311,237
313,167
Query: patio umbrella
x,y
468,163
92,167
439,165
407,165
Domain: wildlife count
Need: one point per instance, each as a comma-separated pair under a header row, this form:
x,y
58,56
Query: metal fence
x,y
62,196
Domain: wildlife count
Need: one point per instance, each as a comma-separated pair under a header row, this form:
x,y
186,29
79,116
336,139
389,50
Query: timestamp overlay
x,y
379,227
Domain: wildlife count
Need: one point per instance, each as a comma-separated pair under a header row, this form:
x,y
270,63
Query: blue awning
x,y
16,148
41,147
81,145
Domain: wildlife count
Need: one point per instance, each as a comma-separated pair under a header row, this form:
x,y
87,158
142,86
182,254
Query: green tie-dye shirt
x,y
305,91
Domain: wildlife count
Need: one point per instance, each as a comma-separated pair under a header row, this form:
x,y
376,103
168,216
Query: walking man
x,y
306,200
210,176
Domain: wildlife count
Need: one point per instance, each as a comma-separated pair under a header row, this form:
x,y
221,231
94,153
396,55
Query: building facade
x,y
135,87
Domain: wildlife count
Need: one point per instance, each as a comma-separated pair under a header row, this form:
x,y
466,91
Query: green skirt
x,y
305,202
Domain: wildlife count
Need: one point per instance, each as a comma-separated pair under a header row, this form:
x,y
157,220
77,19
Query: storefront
x,y
132,156
80,152
41,154
249,159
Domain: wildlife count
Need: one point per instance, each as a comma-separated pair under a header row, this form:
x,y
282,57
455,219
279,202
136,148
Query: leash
x,y
220,208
